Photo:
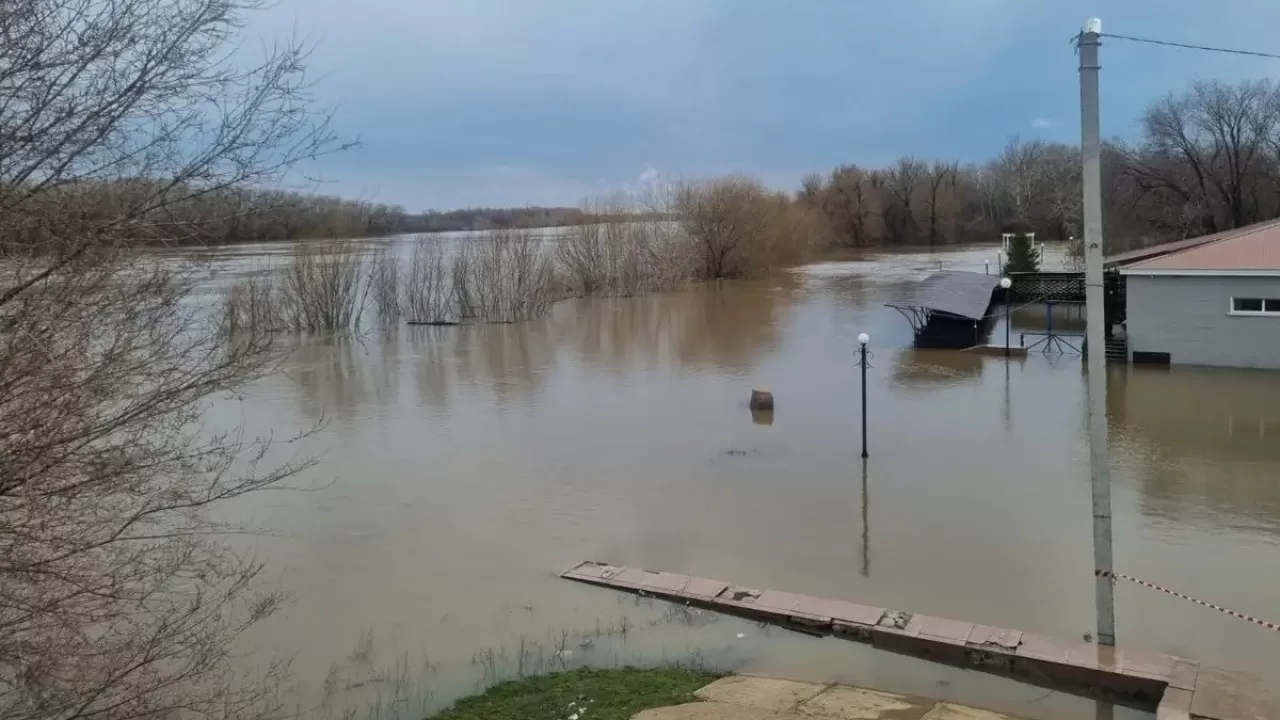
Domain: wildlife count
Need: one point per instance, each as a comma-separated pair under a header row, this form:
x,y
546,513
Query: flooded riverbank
x,y
460,468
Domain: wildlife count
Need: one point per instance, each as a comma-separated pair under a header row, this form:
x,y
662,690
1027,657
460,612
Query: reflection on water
x,y
1204,437
462,467
720,328
928,369
866,523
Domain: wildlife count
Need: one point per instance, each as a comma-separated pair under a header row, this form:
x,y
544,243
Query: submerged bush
x,y
621,250
325,287
737,228
384,283
493,276
726,228
251,305
429,288
504,276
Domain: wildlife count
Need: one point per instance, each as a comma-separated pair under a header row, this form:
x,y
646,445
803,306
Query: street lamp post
x,y
863,339
1005,284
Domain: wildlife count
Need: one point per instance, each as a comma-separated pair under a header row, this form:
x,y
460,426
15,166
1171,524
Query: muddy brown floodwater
x,y
461,468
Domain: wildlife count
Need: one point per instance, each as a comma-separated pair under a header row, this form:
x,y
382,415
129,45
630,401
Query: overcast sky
x,y
542,102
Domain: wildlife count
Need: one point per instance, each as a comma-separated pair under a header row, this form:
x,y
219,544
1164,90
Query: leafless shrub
x,y
584,253
492,276
430,288
622,249
384,283
793,232
739,229
504,276
325,288
251,306
118,597
726,221
461,272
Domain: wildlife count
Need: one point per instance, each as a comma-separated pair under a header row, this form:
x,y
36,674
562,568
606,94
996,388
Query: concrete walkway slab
x,y
711,711
850,703
759,698
759,692
951,711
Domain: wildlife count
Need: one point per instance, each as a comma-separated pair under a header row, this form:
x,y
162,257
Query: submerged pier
x,y
1176,688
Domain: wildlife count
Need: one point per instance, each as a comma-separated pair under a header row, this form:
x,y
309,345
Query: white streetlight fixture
x,y
864,338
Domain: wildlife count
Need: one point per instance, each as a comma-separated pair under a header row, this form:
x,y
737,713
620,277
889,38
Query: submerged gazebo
x,y
949,309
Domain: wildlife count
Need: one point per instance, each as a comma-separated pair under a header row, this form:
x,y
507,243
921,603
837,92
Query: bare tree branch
x,y
125,122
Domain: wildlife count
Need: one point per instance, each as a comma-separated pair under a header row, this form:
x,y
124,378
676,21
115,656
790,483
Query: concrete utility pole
x,y
1095,317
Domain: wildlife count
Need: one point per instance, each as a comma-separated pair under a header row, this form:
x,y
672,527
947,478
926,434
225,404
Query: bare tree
x,y
1208,151
118,120
812,189
902,183
1020,172
1063,195
726,219
940,200
1208,159
855,206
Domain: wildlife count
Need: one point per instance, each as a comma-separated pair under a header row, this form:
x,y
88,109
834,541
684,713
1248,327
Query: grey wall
x,y
1187,317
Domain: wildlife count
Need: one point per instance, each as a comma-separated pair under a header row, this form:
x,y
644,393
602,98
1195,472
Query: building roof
x,y
963,294
1250,249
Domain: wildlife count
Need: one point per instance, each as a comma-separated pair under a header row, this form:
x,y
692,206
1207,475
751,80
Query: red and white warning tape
x,y
1113,575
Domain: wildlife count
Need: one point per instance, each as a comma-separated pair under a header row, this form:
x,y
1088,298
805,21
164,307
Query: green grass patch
x,y
605,695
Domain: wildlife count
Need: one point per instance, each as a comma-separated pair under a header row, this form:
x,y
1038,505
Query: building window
x,y
1255,306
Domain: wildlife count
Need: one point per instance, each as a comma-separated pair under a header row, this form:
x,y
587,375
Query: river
x,y
461,468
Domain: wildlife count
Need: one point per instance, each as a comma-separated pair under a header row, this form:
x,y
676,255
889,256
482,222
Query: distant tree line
x,y
915,202
1206,160
244,214
225,214
276,215
493,219
259,215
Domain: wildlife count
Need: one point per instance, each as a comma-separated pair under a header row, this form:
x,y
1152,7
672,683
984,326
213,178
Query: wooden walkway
x,y
1176,688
